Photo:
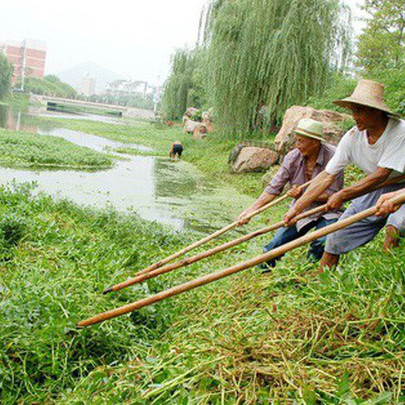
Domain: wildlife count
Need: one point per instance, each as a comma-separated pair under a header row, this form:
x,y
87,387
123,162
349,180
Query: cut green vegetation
x,y
289,335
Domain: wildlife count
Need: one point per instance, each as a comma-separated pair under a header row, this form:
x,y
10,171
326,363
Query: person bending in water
x,y
176,149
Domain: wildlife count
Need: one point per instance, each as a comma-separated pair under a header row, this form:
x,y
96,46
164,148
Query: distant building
x,y
129,88
28,58
88,86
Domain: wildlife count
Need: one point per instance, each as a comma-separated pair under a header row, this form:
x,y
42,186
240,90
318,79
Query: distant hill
x,y
74,75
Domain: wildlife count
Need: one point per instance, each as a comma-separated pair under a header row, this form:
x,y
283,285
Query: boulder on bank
x,y
184,120
200,132
284,140
268,177
207,118
192,123
253,159
191,111
235,152
192,127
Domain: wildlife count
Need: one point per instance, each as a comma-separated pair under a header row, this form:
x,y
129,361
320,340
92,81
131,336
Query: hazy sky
x,y
134,38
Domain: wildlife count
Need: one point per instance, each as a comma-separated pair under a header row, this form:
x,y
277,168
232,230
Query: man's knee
x,y
282,236
272,245
335,244
397,219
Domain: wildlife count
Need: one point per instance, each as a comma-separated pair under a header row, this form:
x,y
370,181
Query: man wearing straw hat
x,y
377,145
302,164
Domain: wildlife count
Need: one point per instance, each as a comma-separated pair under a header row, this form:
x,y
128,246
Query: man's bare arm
x,y
316,190
359,188
323,198
263,199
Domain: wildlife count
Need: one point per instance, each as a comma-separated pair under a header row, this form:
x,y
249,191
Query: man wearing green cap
x,y
302,164
377,146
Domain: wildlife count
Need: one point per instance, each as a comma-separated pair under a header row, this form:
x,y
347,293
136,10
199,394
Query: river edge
x,y
177,193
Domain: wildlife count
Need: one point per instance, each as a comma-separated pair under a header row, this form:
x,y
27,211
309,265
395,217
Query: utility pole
x,y
23,64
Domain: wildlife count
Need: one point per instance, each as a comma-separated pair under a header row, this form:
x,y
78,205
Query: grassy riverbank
x,y
290,335
21,149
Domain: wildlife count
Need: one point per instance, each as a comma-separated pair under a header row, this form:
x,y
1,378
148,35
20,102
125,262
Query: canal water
x,y
174,194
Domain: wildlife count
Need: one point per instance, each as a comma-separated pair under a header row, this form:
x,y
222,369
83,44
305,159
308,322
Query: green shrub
x,y
12,229
6,72
50,85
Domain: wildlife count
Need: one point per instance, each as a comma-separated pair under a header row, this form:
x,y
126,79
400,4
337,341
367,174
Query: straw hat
x,y
310,128
369,94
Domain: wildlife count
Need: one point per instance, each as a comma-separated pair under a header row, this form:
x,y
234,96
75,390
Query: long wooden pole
x,y
208,238
209,278
142,276
190,260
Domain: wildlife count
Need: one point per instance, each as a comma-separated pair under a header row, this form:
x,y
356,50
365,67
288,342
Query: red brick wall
x,y
14,59
12,51
34,62
34,53
37,73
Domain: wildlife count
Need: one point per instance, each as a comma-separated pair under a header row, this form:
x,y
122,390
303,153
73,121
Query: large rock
x,y
235,152
268,176
284,140
191,126
200,132
207,118
191,111
185,119
254,159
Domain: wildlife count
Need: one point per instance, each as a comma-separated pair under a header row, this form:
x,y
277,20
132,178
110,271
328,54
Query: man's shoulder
x,y
291,158
293,154
397,127
351,137
329,148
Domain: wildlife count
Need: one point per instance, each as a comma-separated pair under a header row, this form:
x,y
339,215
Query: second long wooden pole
x,y
146,275
209,278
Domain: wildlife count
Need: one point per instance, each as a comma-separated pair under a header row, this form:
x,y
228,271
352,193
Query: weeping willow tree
x,y
186,84
272,52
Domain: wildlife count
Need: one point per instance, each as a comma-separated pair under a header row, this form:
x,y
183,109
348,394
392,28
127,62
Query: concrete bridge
x,y
130,112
